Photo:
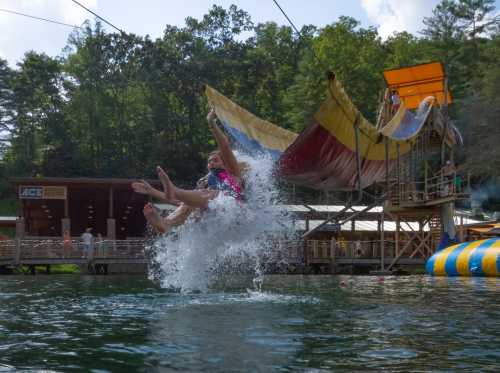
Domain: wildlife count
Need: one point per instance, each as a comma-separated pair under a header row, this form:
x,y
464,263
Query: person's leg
x,y
193,198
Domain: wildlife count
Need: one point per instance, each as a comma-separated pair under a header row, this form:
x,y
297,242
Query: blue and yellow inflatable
x,y
476,258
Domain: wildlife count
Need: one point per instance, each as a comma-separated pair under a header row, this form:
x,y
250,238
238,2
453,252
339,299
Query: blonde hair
x,y
243,166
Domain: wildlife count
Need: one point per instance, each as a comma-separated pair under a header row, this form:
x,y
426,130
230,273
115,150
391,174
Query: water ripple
x,y
296,323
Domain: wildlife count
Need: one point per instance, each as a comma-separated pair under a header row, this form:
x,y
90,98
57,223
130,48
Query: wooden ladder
x,y
436,229
394,192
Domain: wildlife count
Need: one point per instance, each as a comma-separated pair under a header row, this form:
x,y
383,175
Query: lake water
x,y
297,323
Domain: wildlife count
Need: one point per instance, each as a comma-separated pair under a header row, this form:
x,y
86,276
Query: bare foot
x,y
168,186
142,187
154,218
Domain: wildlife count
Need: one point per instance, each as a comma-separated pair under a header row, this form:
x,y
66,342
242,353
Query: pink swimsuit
x,y
220,179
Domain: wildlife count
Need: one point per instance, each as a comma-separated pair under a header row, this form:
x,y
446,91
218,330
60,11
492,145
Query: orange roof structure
x,y
415,83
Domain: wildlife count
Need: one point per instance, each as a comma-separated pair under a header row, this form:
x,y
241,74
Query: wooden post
x,y
461,231
444,110
315,250
396,238
426,187
110,222
65,225
382,241
306,254
17,258
421,234
110,205
358,155
386,148
20,208
111,228
66,207
398,176
333,249
20,227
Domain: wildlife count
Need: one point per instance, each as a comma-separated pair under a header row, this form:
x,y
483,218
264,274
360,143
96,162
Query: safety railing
x,y
7,250
292,251
318,251
440,185
57,248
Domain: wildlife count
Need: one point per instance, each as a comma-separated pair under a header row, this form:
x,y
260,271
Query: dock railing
x,y
17,251
306,252
439,186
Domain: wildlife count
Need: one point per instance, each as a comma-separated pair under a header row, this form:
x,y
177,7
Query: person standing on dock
x,y
88,243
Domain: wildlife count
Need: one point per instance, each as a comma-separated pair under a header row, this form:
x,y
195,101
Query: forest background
x,y
117,104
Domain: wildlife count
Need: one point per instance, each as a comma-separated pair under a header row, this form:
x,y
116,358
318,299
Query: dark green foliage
x,y
117,105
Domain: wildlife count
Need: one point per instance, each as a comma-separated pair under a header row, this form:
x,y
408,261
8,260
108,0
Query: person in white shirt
x,y
88,242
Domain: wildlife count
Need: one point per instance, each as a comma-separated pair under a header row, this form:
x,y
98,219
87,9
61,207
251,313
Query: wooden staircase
x,y
394,199
436,229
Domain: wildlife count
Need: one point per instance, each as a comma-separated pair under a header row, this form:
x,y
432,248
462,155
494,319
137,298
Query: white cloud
x,y
19,34
398,15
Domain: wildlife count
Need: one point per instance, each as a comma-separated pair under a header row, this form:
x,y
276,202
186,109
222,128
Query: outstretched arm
x,y
225,148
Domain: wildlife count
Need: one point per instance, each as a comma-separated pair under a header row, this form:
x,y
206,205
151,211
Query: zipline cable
x,y
288,19
98,16
300,36
39,18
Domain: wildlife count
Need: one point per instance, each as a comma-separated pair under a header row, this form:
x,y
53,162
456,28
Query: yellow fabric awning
x,y
489,229
415,83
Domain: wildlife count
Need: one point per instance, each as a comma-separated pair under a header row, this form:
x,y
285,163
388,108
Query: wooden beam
x,y
110,205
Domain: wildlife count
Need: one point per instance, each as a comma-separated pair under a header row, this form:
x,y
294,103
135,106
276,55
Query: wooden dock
x,y
330,256
308,255
47,252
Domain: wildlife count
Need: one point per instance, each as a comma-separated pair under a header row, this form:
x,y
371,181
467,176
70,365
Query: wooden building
x,y
49,206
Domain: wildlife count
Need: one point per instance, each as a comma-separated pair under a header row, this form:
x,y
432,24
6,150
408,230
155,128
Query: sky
x,y
19,34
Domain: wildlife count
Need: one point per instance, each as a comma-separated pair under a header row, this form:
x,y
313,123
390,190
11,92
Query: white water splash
x,y
229,238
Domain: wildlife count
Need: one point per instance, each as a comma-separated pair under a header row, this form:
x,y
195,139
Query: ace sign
x,y
42,192
30,192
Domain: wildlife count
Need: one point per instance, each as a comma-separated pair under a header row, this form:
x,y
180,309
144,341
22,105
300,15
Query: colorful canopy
x,y
476,258
415,83
324,155
327,154
252,133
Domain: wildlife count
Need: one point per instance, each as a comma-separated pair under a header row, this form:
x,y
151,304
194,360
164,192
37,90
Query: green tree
x,y
6,106
445,38
38,104
357,58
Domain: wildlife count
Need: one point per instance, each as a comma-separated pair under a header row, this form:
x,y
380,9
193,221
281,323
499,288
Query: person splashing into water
x,y
224,176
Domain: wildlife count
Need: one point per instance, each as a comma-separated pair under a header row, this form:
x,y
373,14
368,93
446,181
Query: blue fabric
x,y
214,181
251,146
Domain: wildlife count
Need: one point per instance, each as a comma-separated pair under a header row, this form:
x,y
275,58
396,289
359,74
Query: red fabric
x,y
317,159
